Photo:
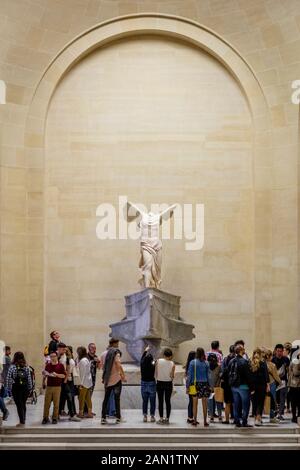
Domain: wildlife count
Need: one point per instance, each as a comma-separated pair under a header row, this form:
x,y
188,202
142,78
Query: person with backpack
x,y
228,398
214,376
19,383
55,340
240,381
215,349
282,364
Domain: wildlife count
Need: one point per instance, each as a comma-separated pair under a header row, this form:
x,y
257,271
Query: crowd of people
x,y
268,382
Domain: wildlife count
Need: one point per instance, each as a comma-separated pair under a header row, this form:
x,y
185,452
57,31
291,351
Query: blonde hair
x,y
256,359
268,354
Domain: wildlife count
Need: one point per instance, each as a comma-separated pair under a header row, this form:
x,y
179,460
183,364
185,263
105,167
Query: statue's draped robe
x,y
152,245
151,264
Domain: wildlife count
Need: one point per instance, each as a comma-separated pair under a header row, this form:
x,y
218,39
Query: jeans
x,y
111,406
241,404
117,389
67,394
2,405
148,390
20,395
273,400
164,393
211,407
280,398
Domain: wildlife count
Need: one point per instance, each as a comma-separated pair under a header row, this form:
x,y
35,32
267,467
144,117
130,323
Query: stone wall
x,y
243,167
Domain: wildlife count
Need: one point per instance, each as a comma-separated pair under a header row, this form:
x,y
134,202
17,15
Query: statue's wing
x,y
131,211
167,213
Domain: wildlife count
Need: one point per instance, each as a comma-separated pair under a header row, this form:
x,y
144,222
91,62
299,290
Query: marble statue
x,y
150,243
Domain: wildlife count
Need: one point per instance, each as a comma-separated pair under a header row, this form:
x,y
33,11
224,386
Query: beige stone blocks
x,y
160,120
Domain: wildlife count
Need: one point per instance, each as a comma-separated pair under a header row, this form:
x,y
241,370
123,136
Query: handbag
x,y
76,378
219,394
192,388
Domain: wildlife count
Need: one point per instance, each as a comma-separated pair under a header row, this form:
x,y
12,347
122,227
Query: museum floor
x,y
134,434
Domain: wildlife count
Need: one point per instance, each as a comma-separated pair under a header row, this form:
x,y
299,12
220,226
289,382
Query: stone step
x,y
144,438
63,428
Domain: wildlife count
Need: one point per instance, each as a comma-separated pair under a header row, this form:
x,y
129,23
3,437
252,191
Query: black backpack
x,y
233,376
21,376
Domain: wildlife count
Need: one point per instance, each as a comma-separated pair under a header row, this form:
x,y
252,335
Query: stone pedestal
x,y
152,318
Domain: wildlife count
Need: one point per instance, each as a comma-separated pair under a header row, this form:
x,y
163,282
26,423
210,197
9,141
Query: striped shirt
x,y
12,376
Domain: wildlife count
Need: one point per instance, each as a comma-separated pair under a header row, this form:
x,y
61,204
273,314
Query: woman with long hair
x,y
261,384
86,382
191,356
274,382
198,377
19,383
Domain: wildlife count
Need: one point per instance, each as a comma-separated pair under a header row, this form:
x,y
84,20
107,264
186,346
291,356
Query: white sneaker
x,y
74,418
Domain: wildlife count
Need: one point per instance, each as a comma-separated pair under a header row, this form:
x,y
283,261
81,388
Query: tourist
x,y
61,354
164,374
19,384
94,361
214,379
287,347
215,349
53,376
113,376
62,359
148,384
239,379
111,406
228,398
55,339
3,407
274,382
294,384
282,364
197,384
241,342
6,362
86,383
260,382
191,356
68,388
